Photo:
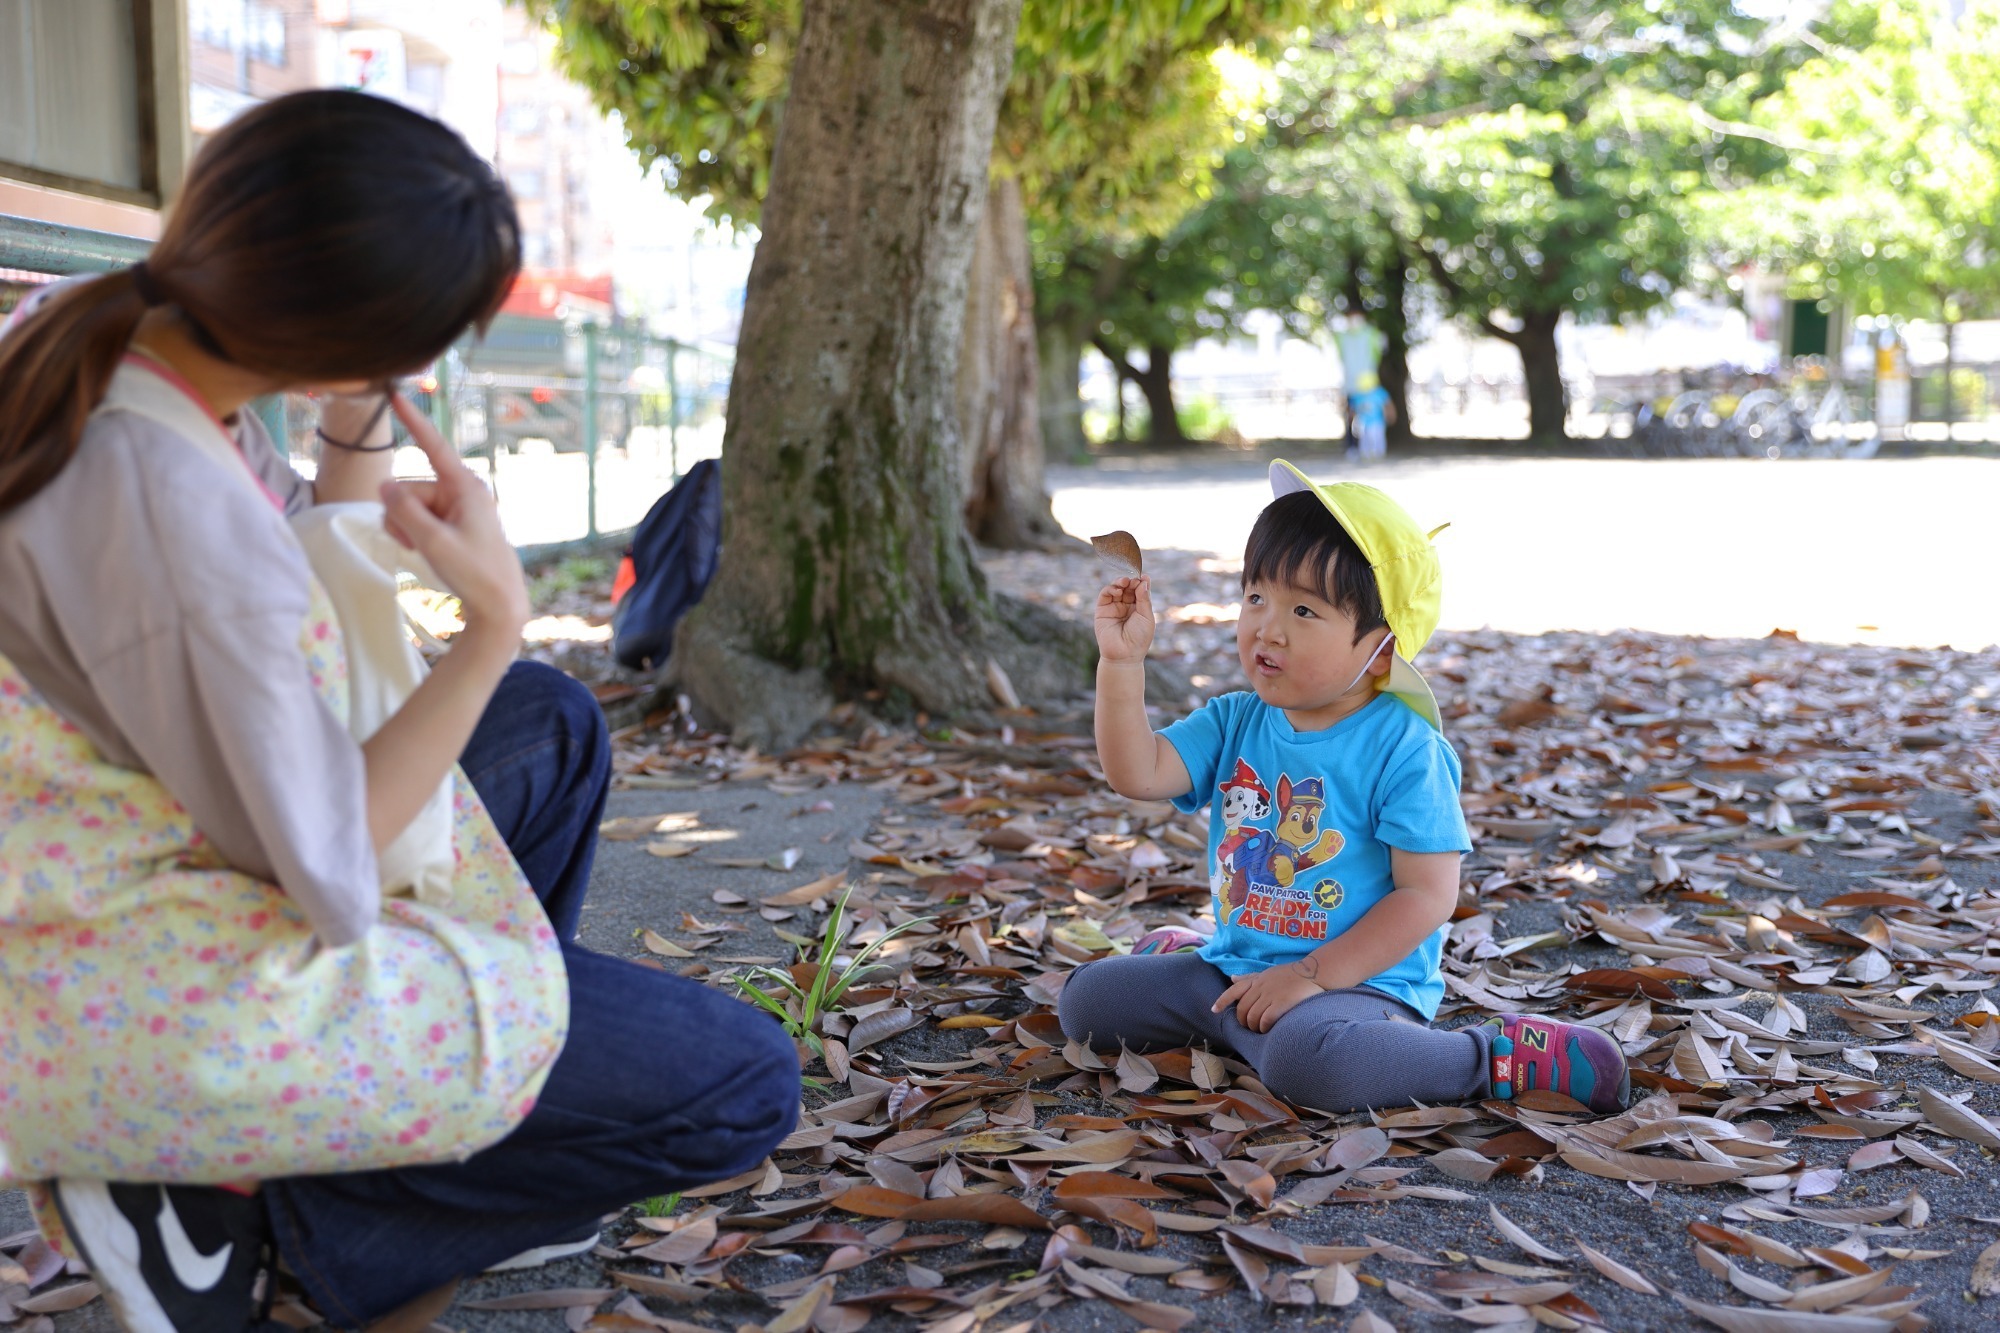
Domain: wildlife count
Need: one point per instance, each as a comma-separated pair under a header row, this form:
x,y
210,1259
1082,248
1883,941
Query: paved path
x,y
1896,551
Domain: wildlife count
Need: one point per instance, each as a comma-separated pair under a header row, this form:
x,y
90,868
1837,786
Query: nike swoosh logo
x,y
193,1269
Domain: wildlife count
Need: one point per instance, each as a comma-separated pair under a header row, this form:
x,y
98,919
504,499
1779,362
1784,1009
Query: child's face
x,y
1299,653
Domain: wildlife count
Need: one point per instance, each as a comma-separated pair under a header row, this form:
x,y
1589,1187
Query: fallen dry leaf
x,y
1122,549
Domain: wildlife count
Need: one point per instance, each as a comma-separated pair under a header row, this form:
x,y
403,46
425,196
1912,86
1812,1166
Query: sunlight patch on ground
x,y
573,629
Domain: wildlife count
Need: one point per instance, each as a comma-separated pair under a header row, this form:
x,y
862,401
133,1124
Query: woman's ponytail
x,y
54,367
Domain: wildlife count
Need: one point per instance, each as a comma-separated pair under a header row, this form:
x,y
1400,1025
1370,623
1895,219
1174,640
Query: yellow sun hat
x,y
1406,573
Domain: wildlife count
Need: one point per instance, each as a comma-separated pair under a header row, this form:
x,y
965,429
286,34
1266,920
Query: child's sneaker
x,y
1168,939
170,1258
1533,1054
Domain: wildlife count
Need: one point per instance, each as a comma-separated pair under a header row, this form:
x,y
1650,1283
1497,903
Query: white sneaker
x,y
169,1258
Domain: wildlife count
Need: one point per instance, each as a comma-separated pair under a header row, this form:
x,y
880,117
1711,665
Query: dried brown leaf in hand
x,y
1122,549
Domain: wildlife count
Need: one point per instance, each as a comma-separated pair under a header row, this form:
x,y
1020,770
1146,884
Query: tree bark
x,y
846,567
999,404
1395,371
1059,381
1950,365
1157,383
1156,386
1541,367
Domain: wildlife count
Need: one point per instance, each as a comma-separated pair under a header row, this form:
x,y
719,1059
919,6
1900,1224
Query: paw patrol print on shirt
x,y
1255,878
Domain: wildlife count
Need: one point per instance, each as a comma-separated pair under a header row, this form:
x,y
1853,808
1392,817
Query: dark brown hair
x,y
322,236
1297,540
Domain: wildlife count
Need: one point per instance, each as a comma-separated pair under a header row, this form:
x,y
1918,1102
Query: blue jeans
x,y
664,1083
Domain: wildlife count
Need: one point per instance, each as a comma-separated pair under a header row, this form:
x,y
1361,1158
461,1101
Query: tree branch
x,y
1117,360
1455,290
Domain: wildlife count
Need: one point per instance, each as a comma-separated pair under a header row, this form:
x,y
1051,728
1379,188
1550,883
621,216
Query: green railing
x,y
47,247
609,408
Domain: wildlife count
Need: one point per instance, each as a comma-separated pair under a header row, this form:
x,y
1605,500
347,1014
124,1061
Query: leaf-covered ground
x,y
1766,867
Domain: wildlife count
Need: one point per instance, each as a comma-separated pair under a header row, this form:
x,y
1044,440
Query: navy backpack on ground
x,y
673,555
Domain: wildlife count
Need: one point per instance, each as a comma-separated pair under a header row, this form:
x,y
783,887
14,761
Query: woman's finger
x,y
444,459
410,512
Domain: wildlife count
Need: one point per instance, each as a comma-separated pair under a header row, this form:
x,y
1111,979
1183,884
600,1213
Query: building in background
x,y
241,52
599,236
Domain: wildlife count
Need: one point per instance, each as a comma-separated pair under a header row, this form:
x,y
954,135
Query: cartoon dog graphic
x,y
1274,859
1244,801
1299,834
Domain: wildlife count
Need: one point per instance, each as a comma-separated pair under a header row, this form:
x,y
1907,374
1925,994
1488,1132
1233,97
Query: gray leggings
x,y
1344,1050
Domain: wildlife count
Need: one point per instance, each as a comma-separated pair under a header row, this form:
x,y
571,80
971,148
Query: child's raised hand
x,y
1125,620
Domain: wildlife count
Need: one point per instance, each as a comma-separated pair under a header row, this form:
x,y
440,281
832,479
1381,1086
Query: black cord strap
x,y
380,411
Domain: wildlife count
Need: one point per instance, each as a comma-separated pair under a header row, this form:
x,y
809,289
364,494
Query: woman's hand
x,y
1262,998
1125,620
454,524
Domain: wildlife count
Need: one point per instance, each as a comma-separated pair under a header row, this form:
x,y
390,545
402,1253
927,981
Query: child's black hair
x,y
1298,540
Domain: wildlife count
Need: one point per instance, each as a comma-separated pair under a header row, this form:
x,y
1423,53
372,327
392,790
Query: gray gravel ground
x,y
634,891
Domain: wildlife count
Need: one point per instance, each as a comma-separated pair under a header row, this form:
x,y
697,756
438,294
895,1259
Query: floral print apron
x,y
163,1017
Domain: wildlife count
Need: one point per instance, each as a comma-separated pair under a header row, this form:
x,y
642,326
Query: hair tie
x,y
146,285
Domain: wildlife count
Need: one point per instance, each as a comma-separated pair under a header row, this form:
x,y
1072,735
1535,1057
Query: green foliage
x,y
800,1005
660,1205
1535,158
699,85
1205,418
1114,107
566,575
1198,279
1891,195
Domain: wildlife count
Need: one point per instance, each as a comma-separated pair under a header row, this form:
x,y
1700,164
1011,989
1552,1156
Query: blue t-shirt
x,y
1302,825
1370,409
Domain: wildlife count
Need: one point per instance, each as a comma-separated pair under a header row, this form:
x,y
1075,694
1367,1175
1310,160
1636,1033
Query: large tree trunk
x,y
1156,382
999,406
1541,367
1060,381
846,567
1950,368
1395,369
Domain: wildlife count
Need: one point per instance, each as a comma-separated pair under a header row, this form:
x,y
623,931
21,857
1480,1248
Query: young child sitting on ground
x,y
1334,840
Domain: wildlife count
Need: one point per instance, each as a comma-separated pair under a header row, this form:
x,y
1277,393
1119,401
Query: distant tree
x,y
1891,195
1247,247
1537,160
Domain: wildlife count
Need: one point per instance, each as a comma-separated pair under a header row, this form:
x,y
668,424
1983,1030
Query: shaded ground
x,y
1670,836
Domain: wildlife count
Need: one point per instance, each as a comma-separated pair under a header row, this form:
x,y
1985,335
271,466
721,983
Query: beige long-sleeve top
x,y
157,603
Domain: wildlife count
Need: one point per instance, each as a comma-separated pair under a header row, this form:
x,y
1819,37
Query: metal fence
x,y
579,427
